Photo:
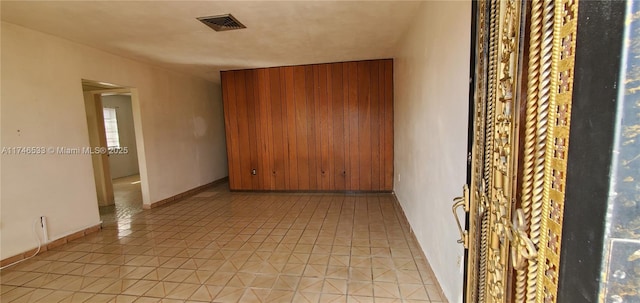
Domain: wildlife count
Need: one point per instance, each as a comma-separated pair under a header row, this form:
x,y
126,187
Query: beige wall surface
x,y
42,106
123,164
431,107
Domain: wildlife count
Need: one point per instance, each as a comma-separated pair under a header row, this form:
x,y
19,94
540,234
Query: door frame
x,y
470,125
138,129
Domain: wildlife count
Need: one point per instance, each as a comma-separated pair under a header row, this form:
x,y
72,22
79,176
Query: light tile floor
x,y
127,197
219,246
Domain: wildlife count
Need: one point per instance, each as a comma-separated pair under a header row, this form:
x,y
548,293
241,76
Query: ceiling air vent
x,y
222,22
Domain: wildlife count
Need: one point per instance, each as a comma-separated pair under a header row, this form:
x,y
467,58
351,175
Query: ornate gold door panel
x,y
524,56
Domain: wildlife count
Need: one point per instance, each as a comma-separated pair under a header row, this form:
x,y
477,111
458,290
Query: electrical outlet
x,y
398,177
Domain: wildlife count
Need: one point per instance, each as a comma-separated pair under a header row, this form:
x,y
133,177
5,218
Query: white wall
x,y
431,107
121,164
42,105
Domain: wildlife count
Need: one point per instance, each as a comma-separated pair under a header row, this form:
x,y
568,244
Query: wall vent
x,y
222,22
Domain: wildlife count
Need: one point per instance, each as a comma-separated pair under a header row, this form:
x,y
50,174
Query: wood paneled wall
x,y
326,127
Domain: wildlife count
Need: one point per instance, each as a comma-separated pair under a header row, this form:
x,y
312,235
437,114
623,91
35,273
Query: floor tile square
x,y
183,291
335,286
229,294
255,295
332,298
280,296
358,288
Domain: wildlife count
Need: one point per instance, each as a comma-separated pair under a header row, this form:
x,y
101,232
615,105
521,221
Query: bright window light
x,y
111,127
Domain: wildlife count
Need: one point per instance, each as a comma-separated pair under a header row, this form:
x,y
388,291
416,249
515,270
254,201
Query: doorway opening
x,y
115,137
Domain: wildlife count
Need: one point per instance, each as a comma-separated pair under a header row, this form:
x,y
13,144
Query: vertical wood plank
x,y
264,131
272,132
323,125
252,121
277,117
243,130
300,127
312,132
388,129
224,86
261,152
285,127
375,126
317,125
230,119
353,174
364,126
292,136
347,127
338,135
381,134
329,135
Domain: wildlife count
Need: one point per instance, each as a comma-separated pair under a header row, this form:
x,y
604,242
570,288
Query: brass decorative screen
x,y
524,56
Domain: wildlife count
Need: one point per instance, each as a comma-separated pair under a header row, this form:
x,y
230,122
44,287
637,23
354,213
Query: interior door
x,y
523,58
